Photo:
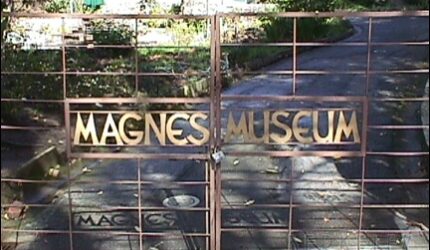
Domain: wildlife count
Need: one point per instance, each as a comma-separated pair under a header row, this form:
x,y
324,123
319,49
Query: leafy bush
x,y
57,6
186,32
420,4
306,5
278,29
105,32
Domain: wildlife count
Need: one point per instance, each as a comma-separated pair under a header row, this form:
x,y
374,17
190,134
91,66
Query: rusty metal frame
x,y
213,178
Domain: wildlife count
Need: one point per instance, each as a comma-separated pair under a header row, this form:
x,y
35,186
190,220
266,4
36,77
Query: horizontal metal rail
x,y
225,179
385,14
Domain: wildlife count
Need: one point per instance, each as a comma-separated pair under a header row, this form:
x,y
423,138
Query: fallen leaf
x,y
236,162
326,220
15,210
54,172
322,194
86,170
249,202
337,157
401,216
100,192
297,240
274,170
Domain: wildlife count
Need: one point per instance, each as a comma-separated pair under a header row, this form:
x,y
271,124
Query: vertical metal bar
x,y
67,130
136,57
139,200
294,55
218,128
290,215
365,129
207,213
213,238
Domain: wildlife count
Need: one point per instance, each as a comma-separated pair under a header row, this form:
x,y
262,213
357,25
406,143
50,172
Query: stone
x,y
15,210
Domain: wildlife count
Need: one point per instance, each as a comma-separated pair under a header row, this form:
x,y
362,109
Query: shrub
x,y
57,6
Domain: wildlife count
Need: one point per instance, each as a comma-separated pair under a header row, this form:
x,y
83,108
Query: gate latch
x,y
218,156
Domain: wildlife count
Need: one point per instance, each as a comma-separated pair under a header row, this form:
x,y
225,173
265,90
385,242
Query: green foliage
x,y
111,33
189,61
420,4
278,29
27,86
307,5
186,31
176,9
365,5
57,6
100,86
100,60
242,57
173,59
108,32
332,5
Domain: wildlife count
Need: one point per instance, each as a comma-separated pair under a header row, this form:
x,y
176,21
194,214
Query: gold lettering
x,y
299,132
251,130
237,130
172,133
347,129
137,136
246,128
267,127
288,132
160,132
330,133
198,127
85,131
110,130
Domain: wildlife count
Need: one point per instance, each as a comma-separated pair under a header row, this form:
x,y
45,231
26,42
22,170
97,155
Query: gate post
x,y
215,138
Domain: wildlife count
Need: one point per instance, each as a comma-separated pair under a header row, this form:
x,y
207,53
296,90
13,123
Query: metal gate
x,y
323,155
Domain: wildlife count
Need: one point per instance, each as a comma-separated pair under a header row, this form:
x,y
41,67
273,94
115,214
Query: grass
x,y
174,59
